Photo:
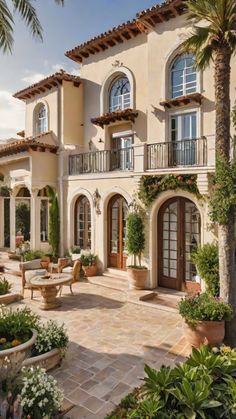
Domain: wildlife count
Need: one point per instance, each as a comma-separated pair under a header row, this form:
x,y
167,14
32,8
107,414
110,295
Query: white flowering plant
x,y
50,336
40,395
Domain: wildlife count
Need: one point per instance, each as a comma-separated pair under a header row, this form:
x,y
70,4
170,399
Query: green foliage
x,y
135,242
203,386
50,336
151,186
23,219
32,255
16,325
54,221
204,307
223,195
5,287
206,259
75,249
88,259
5,190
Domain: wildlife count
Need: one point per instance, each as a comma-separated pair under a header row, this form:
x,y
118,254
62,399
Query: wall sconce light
x,y
100,140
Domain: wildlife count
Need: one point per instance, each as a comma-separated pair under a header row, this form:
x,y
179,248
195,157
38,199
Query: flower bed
x,y
201,387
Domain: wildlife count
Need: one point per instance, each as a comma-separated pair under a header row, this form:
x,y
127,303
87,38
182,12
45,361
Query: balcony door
x,y
123,146
178,234
117,213
183,139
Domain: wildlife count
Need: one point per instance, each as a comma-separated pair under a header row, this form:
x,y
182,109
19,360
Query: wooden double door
x,y
117,214
178,234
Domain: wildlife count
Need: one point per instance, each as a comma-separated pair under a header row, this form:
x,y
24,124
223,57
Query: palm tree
x,y
214,39
27,13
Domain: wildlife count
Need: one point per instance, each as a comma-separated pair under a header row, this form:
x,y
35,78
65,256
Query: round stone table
x,y
49,290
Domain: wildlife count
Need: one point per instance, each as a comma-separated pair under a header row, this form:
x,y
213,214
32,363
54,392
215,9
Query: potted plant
x,y
75,253
135,244
206,259
5,286
18,332
50,346
89,263
205,317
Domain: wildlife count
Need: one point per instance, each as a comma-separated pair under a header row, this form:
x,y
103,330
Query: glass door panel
x,y
117,213
183,138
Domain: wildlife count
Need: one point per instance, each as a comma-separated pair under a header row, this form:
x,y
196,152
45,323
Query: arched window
x,y
83,223
183,76
119,96
41,119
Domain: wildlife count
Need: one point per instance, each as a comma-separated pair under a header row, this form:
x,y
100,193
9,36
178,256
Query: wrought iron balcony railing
x,y
177,153
102,161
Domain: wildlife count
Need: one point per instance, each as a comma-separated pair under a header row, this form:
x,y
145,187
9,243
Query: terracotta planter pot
x,y
192,287
206,332
137,278
90,270
16,356
47,361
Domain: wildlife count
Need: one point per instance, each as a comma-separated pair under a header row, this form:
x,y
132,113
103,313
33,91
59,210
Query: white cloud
x,y
33,78
57,67
12,115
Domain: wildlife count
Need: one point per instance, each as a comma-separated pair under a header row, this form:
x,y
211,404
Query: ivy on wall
x,y
151,186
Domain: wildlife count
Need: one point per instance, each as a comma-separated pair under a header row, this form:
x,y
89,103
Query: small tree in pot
x,y
135,245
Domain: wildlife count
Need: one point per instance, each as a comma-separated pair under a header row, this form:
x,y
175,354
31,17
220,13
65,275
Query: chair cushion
x,y
67,270
30,274
32,264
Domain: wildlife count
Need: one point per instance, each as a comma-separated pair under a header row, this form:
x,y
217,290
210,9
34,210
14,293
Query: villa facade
x,y
138,109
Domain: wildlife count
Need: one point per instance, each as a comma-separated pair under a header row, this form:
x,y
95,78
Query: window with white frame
x,y
182,149
119,94
41,119
183,76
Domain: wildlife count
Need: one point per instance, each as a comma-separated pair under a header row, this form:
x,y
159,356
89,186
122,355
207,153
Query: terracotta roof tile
x,y
120,115
20,146
46,84
144,21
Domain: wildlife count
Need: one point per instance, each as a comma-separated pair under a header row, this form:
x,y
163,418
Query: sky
x,y
64,28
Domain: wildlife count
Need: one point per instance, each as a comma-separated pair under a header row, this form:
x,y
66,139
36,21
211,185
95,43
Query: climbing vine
x,y
151,186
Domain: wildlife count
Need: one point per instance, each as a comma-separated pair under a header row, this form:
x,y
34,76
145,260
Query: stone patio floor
x,y
110,342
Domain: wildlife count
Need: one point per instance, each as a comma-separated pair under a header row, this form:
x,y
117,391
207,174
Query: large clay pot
x,y
48,361
15,357
192,287
137,278
205,332
90,270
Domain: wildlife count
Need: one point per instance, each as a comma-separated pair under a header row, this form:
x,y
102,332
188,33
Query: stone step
x,y
113,282
118,273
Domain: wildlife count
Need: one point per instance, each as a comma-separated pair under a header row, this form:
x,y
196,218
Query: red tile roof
x,y
32,143
46,84
144,21
121,115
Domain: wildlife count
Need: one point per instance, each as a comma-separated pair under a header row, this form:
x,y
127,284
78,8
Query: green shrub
x,y
5,287
54,221
204,307
75,249
16,326
88,259
32,255
202,387
135,242
50,336
206,259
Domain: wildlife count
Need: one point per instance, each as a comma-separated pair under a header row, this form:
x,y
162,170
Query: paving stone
x,y
93,404
78,396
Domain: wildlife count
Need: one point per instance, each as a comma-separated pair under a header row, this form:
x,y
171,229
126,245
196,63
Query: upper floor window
x,y
183,76
41,119
119,97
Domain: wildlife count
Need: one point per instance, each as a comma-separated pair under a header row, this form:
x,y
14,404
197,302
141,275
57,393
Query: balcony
x,y
179,153
102,161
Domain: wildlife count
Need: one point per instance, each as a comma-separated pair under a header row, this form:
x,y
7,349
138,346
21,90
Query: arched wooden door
x,y
179,232
117,213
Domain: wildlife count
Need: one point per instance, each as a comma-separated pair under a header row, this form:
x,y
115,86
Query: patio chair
x,y
58,267
75,271
28,271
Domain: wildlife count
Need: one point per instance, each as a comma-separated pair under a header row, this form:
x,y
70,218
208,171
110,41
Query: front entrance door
x,y
178,233
117,213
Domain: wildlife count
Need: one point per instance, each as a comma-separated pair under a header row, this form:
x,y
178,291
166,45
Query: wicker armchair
x,y
28,271
75,271
59,266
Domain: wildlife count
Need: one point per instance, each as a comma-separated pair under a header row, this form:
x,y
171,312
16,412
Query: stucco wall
x,y
73,116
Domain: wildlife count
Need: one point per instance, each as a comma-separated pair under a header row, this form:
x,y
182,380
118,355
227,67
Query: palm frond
x,y
60,2
203,57
29,15
6,27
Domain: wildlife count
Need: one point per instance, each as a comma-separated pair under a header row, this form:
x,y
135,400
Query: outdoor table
x,y
49,290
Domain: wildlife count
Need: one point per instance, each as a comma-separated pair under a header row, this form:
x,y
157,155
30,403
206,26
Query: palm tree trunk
x,y
226,231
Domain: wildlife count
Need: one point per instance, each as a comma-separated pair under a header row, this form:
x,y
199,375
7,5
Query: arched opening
x,y
183,76
117,214
23,198
179,232
40,119
82,223
119,94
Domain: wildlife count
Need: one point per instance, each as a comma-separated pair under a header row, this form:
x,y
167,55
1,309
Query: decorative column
x,y
34,220
13,221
